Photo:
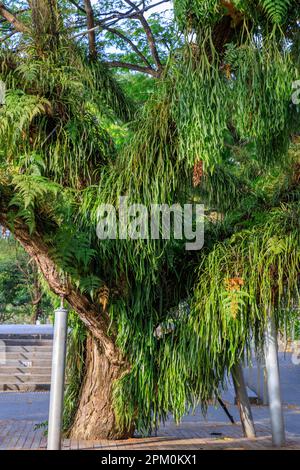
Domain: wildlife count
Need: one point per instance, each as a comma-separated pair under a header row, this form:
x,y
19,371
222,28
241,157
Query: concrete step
x,y
24,354
26,358
8,370
27,377
20,349
27,342
24,387
26,337
27,362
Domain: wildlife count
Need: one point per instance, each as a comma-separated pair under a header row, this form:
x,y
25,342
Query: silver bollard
x,y
273,383
57,378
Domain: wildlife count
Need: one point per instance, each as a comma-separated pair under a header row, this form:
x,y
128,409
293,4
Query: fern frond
x,y
276,9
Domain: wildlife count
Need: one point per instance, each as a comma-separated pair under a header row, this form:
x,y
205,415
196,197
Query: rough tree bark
x,y
91,26
17,25
36,301
95,418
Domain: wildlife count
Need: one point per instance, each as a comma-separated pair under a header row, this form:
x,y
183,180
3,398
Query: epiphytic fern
x,y
276,9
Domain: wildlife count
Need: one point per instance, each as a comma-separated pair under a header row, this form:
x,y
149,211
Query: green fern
x,y
276,9
32,192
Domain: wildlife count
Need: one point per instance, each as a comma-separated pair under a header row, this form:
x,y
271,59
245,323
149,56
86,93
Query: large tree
x,y
221,116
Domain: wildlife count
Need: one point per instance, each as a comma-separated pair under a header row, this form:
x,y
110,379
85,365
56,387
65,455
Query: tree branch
x,y
121,36
131,43
18,25
151,42
135,67
133,13
149,34
93,317
91,25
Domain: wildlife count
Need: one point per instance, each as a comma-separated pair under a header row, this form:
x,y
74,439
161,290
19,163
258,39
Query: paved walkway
x,y
194,432
20,412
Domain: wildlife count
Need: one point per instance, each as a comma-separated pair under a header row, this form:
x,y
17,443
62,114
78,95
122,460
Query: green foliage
x,y
138,86
194,13
14,295
269,72
81,96
255,268
202,116
276,9
17,279
265,259
32,192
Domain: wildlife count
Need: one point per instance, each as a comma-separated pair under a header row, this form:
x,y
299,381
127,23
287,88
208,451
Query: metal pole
x,y
258,393
265,400
57,378
273,382
243,401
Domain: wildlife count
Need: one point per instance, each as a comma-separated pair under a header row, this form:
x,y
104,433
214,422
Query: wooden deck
x,y
22,435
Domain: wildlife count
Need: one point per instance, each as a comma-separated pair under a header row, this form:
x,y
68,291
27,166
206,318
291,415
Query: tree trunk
x,y
45,21
95,418
36,299
36,312
91,26
243,401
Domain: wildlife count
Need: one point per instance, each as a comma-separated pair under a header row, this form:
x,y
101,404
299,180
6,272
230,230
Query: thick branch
x,y
135,67
149,34
17,25
131,13
126,39
151,42
91,25
135,12
120,35
96,320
